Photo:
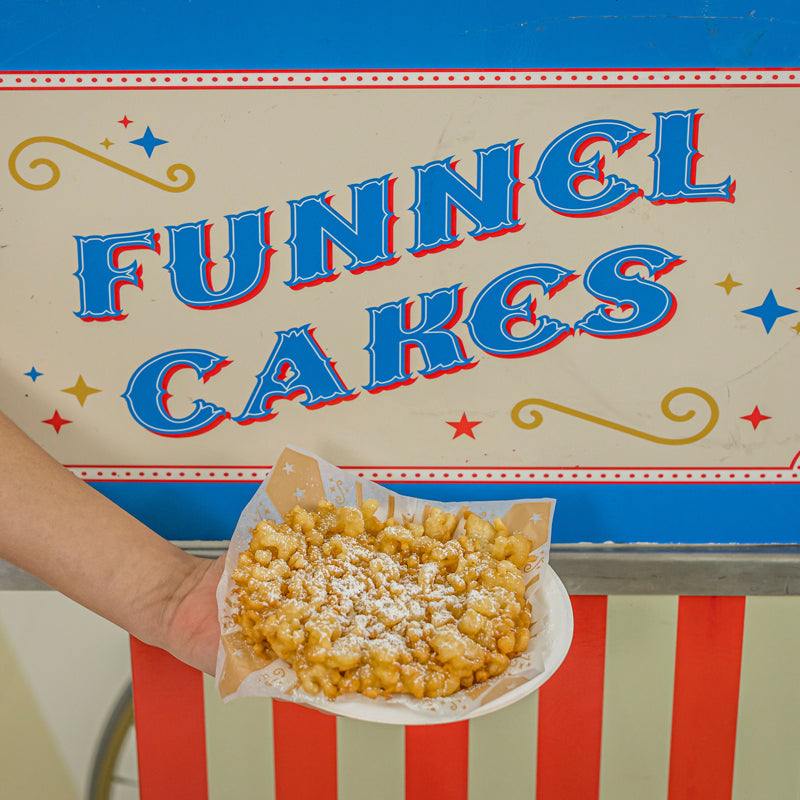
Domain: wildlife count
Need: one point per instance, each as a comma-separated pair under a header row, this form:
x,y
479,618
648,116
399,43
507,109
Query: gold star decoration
x,y
728,284
106,143
796,328
81,390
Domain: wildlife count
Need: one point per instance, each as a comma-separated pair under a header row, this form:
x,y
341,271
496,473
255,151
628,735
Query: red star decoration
x,y
57,421
755,417
463,427
125,121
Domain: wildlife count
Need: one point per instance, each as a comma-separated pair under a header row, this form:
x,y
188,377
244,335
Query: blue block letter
x,y
248,255
641,305
561,171
148,392
317,228
494,314
492,204
100,276
675,162
392,337
297,365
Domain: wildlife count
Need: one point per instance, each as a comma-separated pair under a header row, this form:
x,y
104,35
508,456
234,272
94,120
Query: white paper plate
x,y
551,631
556,639
555,628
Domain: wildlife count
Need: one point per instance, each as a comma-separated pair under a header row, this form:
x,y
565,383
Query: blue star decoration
x,y
769,311
149,142
33,374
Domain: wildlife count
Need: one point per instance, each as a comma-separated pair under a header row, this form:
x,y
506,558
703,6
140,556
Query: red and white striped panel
x,y
660,697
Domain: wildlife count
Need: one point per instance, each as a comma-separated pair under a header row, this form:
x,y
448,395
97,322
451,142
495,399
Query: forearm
x,y
71,537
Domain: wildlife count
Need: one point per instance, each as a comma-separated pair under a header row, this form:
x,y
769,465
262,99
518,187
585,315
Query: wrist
x,y
189,627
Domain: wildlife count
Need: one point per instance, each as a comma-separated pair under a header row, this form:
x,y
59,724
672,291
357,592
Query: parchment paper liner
x,y
302,478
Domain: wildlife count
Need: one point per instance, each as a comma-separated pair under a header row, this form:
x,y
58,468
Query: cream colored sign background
x,y
263,148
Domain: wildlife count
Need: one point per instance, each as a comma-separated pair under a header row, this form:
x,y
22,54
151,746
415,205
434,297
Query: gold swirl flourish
x,y
336,486
666,410
55,172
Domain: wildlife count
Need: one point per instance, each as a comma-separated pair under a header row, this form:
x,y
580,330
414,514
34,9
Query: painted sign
x,y
569,277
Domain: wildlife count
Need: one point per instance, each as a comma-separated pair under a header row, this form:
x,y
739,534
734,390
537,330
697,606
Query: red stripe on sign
x,y
170,725
305,752
571,711
437,761
708,660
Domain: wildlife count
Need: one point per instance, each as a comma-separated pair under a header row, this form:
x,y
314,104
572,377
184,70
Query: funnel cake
x,y
359,605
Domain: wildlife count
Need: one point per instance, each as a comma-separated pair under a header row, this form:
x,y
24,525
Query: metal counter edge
x,y
617,569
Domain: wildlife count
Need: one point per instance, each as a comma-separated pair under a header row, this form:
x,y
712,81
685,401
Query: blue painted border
x,y
622,513
264,34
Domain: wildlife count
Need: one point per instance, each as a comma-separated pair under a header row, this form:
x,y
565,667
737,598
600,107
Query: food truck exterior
x,y
533,254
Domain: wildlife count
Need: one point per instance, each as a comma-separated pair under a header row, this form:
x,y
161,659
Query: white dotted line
x,y
395,79
512,475
451,475
171,474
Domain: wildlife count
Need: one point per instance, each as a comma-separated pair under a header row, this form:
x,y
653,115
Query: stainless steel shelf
x,y
619,569
679,570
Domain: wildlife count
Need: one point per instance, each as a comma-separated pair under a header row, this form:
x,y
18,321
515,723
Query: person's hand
x,y
192,630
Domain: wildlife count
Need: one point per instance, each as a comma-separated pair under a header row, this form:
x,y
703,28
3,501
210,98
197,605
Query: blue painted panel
x,y
200,34
686,514
182,511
